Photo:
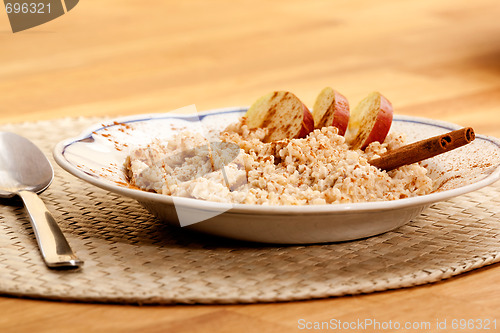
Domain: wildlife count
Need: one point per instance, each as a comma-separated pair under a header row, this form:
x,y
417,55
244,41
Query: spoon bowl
x,y
25,171
22,166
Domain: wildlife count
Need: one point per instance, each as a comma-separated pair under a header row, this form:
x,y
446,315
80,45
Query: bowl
x,y
97,156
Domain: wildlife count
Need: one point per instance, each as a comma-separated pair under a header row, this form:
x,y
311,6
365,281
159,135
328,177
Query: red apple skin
x,y
337,112
307,123
382,124
341,116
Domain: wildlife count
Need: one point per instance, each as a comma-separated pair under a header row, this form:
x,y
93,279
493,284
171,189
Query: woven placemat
x,y
130,257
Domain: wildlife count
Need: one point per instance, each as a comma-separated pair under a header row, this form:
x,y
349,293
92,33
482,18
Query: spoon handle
x,y
54,247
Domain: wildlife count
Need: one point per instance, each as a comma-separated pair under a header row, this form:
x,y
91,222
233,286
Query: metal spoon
x,y
25,171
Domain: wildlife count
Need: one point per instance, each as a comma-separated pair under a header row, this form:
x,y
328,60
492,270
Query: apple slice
x,y
370,121
331,109
283,114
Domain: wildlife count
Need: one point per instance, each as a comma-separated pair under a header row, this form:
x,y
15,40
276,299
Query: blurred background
x,y
436,59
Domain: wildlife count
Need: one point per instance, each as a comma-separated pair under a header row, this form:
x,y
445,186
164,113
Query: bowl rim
x,y
143,196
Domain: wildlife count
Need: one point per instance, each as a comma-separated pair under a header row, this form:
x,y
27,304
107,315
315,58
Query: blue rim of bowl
x,y
197,204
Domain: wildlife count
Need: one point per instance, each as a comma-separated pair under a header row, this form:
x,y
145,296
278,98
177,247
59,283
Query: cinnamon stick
x,y
424,149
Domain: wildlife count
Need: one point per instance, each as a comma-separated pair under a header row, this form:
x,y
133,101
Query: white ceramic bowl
x,y
98,154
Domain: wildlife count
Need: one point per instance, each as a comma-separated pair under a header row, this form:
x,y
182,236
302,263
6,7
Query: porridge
x,y
243,168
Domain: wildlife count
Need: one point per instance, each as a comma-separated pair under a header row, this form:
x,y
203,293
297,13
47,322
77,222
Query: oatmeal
x,y
318,169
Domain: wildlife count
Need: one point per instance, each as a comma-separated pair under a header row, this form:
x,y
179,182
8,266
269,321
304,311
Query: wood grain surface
x,y
436,59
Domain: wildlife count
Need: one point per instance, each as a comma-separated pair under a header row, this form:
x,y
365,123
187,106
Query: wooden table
x,y
433,59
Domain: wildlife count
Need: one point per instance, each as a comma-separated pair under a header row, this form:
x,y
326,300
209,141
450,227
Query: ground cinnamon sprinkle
x,y
127,126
